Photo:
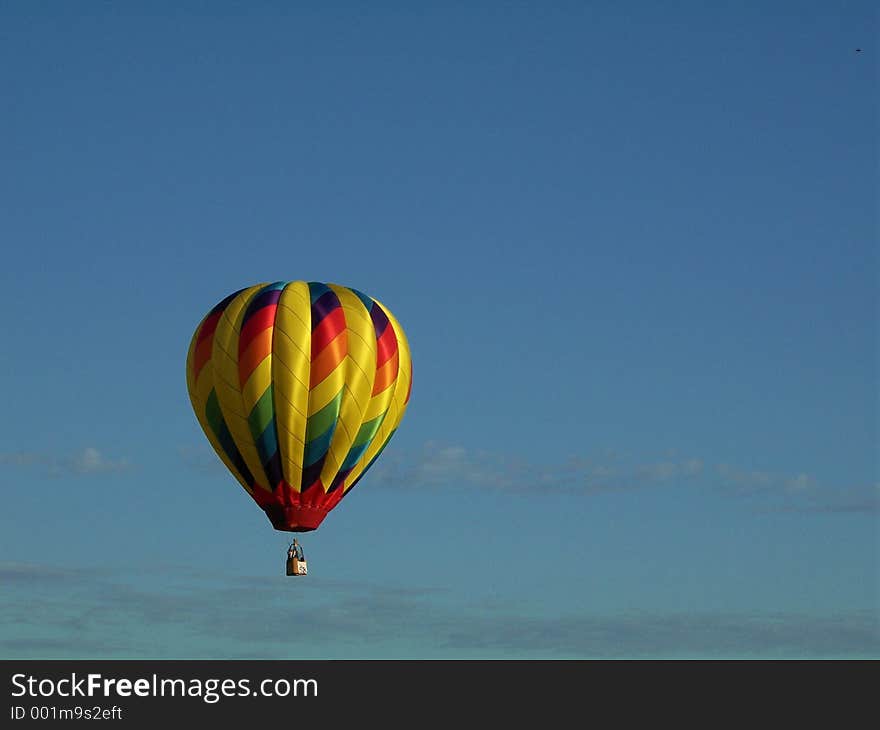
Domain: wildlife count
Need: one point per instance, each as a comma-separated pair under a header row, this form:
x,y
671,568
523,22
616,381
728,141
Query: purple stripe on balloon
x,y
380,321
274,472
323,306
311,473
222,305
263,299
339,479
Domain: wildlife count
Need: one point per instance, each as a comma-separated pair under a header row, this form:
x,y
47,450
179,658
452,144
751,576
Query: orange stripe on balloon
x,y
202,355
386,374
259,320
386,346
333,354
259,347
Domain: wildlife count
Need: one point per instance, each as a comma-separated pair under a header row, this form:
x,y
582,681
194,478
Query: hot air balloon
x,y
298,387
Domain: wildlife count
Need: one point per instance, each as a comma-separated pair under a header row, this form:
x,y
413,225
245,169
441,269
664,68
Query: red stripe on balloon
x,y
386,347
258,321
202,355
327,331
208,326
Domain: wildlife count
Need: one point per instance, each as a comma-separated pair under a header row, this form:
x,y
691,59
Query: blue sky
x,y
634,250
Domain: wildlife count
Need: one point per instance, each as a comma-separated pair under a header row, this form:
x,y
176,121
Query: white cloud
x,y
91,461
439,464
444,465
86,461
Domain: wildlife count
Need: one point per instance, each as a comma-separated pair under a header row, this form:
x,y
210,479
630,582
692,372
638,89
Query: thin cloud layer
x,y
442,465
215,617
864,499
87,461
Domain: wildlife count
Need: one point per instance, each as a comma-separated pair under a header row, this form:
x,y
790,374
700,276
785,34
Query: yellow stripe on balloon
x,y
224,357
401,386
290,366
404,373
359,369
257,383
394,397
379,403
199,391
327,389
191,386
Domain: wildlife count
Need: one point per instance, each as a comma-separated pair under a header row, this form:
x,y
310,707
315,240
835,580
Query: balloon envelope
x,y
298,386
